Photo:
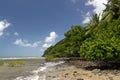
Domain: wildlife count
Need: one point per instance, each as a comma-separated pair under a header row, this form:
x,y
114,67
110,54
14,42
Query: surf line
x,y
35,73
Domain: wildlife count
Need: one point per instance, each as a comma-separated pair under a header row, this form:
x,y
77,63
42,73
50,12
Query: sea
x,y
34,69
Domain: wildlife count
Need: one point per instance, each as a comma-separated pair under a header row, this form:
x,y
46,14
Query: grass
x,y
1,63
15,63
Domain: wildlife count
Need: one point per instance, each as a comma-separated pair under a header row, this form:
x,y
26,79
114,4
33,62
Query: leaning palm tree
x,y
93,23
112,10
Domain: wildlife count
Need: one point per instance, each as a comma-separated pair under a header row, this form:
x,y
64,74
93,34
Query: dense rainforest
x,y
99,40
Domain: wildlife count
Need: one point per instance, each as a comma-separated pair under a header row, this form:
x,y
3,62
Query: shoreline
x,y
11,73
20,58
70,70
75,70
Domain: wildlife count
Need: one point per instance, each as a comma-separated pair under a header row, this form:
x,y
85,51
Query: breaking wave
x,y
39,74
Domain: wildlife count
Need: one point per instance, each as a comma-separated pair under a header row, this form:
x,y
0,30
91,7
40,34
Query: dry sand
x,y
71,72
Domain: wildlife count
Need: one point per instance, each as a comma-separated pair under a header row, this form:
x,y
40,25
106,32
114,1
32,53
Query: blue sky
x,y
28,27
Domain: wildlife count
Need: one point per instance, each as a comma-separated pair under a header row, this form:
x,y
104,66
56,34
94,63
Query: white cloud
x,y
87,18
16,33
98,9
25,43
49,41
98,5
3,25
36,44
46,45
42,50
51,37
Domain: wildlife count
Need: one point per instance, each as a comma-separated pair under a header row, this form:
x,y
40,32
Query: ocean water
x,y
14,58
35,69
39,74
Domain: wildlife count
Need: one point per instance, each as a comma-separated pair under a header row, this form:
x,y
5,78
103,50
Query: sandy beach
x,y
35,69
71,72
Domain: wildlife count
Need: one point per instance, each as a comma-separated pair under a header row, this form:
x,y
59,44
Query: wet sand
x,y
10,73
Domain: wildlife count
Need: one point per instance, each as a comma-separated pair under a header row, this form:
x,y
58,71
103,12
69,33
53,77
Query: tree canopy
x,y
99,40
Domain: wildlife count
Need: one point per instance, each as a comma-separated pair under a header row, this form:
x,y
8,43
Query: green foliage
x,y
99,40
112,10
11,64
16,63
1,63
51,58
104,44
92,25
69,46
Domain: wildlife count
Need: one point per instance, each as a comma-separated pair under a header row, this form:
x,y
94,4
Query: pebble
x,y
54,76
75,73
115,72
96,71
66,75
100,74
110,78
80,79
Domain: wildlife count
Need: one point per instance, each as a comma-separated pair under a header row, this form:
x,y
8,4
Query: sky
x,y
29,27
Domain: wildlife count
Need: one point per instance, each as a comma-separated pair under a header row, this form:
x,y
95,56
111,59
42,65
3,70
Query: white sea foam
x,y
32,77
13,58
40,69
51,64
35,73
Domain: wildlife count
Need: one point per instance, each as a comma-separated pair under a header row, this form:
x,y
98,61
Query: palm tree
x,y
112,10
93,23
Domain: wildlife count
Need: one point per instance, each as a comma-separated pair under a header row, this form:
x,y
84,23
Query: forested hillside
x,y
99,40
